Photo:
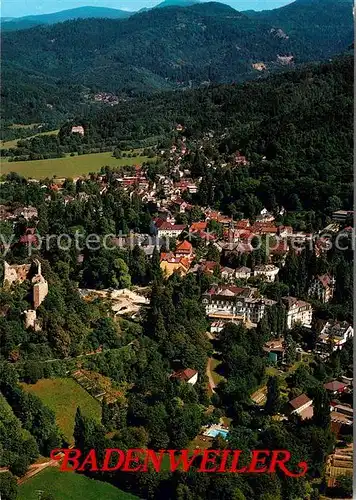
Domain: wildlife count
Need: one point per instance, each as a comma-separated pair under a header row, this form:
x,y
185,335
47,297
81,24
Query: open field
x,y
13,143
69,486
70,166
214,371
63,396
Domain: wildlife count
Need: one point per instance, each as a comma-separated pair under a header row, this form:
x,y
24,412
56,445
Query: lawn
x,y
69,486
70,166
63,396
214,370
13,143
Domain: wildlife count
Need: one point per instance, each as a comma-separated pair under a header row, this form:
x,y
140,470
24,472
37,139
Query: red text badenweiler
x,y
143,460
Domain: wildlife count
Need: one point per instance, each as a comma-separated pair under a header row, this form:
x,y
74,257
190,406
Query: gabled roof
x,y
325,280
198,226
173,227
184,246
243,269
185,375
335,385
300,401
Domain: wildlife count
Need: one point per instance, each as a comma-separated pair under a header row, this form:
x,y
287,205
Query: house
x,y
166,229
217,326
342,215
342,408
192,188
242,224
240,159
171,264
302,406
188,375
184,249
322,288
335,387
243,273
265,216
264,227
180,205
26,212
298,311
198,226
78,130
285,231
333,336
232,303
341,414
268,271
228,274
275,349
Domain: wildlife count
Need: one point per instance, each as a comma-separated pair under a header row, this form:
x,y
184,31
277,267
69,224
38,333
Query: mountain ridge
x,y
161,49
85,12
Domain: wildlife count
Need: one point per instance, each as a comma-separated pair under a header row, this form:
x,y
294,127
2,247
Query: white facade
x,y
334,335
268,271
239,305
298,312
243,273
193,380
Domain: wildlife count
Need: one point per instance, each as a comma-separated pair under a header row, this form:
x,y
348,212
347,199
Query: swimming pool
x,y
217,432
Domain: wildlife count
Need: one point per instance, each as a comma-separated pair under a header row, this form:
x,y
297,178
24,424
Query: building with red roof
x,y
187,375
184,249
322,288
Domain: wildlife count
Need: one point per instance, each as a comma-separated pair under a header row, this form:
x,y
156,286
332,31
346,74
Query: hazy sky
x,y
18,8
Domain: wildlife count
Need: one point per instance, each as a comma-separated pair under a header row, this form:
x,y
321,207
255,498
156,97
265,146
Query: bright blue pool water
x,y
217,432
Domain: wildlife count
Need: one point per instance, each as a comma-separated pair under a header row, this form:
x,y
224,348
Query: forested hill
x,y
159,49
300,121
26,22
288,105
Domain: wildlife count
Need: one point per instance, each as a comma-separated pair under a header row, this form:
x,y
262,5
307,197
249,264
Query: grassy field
x,y
214,370
70,166
13,143
69,486
63,396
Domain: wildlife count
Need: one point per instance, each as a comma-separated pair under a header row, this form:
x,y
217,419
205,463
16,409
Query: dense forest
x,y
160,49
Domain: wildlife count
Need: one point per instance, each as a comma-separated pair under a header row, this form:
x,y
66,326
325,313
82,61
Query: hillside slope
x,y
159,49
27,22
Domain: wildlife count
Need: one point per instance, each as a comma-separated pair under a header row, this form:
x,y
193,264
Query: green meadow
x,y
70,166
69,486
63,396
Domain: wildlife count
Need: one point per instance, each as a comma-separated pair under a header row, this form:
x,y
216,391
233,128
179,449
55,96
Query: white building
x,y
268,271
78,130
243,273
232,303
188,375
170,230
298,312
333,336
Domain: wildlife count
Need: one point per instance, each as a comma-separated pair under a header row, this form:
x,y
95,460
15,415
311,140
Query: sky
x,y
19,8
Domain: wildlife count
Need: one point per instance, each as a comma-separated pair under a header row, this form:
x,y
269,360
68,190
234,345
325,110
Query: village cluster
x,y
234,295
